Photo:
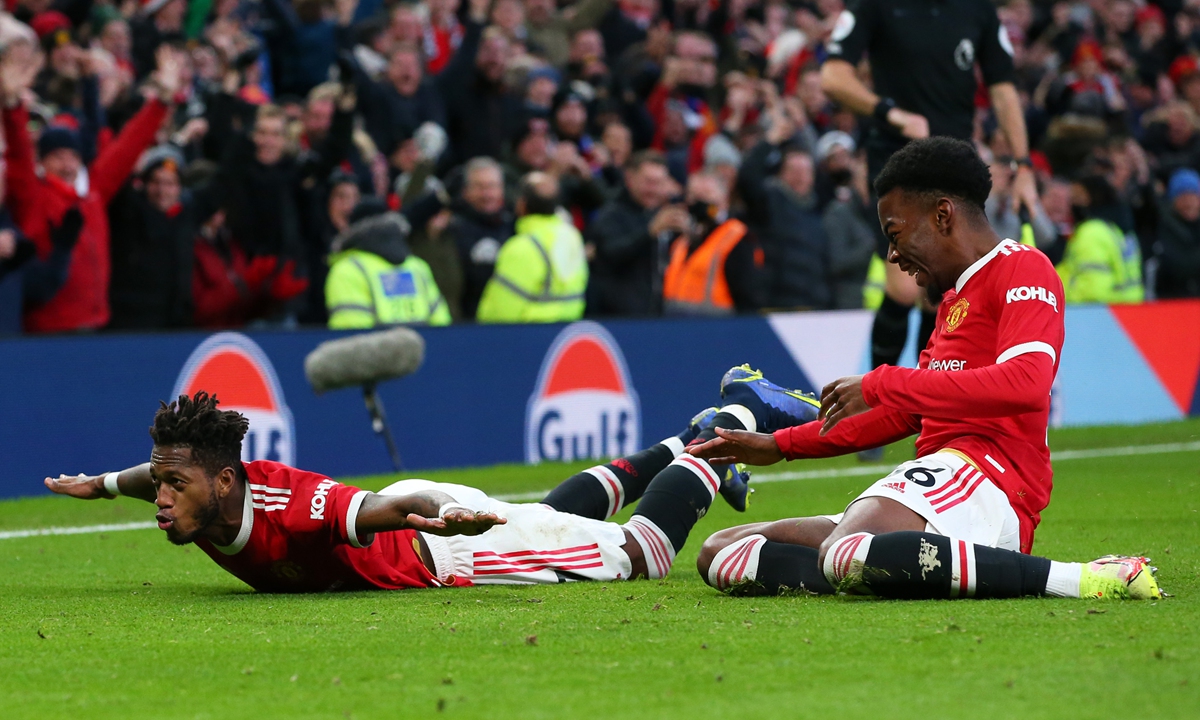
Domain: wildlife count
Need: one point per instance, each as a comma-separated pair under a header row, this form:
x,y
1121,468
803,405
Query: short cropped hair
x,y
644,157
937,166
214,436
539,193
481,163
269,111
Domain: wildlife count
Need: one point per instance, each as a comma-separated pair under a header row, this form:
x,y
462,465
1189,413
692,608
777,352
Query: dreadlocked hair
x,y
214,436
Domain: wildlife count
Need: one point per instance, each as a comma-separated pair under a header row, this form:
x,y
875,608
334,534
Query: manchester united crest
x,y
958,313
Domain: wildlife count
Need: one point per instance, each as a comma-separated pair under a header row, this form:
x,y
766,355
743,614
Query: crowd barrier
x,y
491,394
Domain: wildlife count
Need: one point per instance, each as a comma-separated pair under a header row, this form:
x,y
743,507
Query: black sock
x,y
918,565
783,567
788,568
889,333
753,565
928,323
600,492
674,501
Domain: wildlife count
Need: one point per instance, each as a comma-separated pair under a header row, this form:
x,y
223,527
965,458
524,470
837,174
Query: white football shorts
x,y
955,498
537,545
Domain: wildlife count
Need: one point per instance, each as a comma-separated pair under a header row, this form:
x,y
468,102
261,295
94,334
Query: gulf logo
x,y
235,369
584,405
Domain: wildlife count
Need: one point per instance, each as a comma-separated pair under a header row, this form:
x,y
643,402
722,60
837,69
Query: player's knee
x,y
708,551
823,550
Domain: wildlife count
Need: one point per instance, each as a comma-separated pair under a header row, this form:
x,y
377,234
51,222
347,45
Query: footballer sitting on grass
x,y
959,520
280,529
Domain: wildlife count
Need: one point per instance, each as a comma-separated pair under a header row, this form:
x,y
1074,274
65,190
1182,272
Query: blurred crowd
x,y
224,163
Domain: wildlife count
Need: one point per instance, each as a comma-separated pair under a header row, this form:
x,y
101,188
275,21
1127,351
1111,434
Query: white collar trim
x,y
243,535
978,264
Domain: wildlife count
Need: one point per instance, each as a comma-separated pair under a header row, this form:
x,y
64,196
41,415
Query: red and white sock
x,y
656,547
962,572
613,488
845,559
737,562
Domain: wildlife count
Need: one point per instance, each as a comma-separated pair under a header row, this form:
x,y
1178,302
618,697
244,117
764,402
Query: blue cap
x,y
1182,182
545,71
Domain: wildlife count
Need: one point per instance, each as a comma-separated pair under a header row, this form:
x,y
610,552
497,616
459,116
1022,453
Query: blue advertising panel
x,y
485,394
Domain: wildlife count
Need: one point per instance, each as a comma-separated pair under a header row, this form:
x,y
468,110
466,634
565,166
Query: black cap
x,y
368,207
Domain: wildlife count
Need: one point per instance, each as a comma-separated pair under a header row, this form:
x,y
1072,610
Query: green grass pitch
x,y
123,624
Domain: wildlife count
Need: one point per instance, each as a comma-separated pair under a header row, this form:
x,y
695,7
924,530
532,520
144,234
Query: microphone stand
x,y
379,423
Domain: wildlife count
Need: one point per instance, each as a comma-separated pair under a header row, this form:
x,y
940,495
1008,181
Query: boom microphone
x,y
366,360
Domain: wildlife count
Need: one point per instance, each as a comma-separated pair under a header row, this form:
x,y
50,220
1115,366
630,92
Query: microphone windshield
x,y
364,359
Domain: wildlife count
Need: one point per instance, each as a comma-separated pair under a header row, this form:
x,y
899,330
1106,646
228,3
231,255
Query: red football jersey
x,y
298,535
982,385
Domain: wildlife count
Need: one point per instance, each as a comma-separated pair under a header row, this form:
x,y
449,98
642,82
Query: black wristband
x,y
882,108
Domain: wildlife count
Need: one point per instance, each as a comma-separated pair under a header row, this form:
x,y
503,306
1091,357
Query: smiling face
x,y
187,498
918,231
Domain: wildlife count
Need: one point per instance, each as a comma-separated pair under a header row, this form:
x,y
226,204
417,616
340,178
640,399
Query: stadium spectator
x,y
1101,264
154,223
630,235
305,39
541,271
1179,237
158,22
1007,217
481,110
264,186
777,183
401,101
848,222
480,225
39,202
679,104
27,280
551,29
375,280
716,266
231,289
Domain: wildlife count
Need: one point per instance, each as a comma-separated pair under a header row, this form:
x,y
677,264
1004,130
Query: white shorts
x,y
537,545
954,497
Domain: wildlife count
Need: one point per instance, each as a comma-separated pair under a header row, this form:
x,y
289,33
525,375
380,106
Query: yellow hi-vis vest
x,y
1101,265
541,274
873,288
364,291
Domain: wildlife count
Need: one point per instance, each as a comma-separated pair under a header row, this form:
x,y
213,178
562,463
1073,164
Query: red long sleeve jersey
x,y
298,535
982,387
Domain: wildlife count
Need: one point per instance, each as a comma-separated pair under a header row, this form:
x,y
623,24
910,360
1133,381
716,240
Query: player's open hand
x,y
84,487
734,446
456,521
841,399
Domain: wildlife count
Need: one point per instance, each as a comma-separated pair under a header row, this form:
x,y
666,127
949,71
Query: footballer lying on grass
x,y
281,529
958,521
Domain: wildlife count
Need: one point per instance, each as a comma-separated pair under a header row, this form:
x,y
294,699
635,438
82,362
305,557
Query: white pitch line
x,y
112,527
1087,454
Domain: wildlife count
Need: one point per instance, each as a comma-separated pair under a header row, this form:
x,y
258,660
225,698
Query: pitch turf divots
x,y
125,625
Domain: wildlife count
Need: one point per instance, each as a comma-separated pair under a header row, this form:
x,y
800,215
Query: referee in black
x,y
923,56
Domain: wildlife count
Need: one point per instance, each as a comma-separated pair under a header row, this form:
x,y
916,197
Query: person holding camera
x,y
717,266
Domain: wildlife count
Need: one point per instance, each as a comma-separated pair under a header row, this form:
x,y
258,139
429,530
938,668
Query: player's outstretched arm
x,y
430,511
732,446
134,482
